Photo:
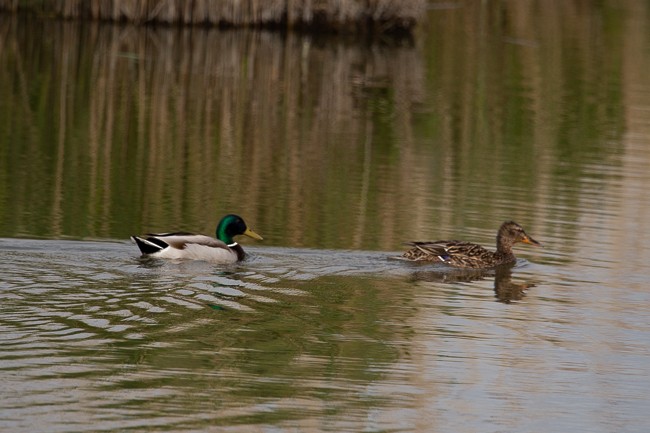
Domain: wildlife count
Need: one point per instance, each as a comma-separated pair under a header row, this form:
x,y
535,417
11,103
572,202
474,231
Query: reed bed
x,y
333,15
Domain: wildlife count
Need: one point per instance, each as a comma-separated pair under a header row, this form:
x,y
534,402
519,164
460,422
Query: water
x,y
336,152
338,340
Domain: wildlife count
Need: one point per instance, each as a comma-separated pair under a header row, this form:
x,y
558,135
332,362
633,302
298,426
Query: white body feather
x,y
195,247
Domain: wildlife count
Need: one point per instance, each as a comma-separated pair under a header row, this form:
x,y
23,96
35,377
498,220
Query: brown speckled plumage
x,y
468,255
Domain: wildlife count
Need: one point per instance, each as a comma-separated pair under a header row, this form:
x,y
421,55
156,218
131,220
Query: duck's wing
x,y
463,249
432,248
156,242
443,251
426,251
180,239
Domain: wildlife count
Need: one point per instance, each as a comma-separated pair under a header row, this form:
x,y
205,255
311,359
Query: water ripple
x,y
100,334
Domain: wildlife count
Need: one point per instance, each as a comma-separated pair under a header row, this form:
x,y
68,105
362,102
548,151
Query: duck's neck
x,y
238,249
504,253
504,246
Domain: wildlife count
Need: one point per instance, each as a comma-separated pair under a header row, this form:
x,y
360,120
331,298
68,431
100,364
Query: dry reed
x,y
332,15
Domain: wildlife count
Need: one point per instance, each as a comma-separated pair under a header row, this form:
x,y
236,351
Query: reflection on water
x,y
167,127
337,151
110,130
101,333
505,289
307,339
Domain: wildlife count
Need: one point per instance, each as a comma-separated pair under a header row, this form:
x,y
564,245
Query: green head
x,y
231,226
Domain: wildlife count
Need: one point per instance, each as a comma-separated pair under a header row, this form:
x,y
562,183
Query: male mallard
x,y
183,245
468,255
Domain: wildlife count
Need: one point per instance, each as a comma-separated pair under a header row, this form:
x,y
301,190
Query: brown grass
x,y
332,15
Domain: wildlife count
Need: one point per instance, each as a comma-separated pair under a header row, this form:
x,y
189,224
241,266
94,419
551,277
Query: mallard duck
x,y
468,255
182,245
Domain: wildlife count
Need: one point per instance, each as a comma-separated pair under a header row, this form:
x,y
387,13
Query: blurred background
x,y
491,111
337,147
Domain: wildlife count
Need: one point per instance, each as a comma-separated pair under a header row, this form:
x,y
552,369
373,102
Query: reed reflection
x,y
163,127
109,130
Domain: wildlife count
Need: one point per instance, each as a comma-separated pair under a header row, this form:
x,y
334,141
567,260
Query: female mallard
x,y
468,255
191,246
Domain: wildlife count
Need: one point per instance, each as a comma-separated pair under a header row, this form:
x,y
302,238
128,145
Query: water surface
x,y
336,151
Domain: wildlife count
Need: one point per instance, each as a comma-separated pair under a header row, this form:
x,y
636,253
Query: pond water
x,y
337,151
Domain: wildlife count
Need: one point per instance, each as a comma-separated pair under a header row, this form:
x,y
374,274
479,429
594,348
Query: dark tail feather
x,y
149,246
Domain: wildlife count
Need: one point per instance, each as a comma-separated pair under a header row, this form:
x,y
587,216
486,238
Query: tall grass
x,y
336,15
